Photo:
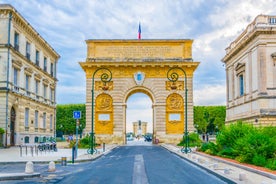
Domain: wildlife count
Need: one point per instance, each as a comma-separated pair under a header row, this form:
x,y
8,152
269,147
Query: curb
x,y
17,176
269,175
229,181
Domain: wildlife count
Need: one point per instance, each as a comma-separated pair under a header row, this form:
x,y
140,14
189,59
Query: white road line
x,y
139,175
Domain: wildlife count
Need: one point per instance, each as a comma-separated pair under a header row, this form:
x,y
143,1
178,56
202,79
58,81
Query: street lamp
x,y
106,76
173,76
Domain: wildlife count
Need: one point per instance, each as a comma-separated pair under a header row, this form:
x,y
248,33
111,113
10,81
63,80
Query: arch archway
x,y
139,119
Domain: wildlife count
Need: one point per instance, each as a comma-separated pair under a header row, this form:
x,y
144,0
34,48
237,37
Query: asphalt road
x,y
130,165
141,165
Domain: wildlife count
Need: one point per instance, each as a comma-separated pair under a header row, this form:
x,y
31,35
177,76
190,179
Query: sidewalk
x,y
13,155
236,172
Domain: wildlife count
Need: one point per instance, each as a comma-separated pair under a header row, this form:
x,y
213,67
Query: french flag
x,y
139,31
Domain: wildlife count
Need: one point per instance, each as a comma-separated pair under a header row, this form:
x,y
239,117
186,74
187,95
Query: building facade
x,y
140,128
250,63
27,81
139,66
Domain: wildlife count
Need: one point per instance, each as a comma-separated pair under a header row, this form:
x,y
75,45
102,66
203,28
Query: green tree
x,y
209,118
65,121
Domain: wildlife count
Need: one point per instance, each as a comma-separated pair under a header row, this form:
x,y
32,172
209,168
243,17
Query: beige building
x,y
139,66
140,128
250,62
27,81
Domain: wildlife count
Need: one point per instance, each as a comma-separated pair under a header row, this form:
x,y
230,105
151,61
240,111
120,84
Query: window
x,y
44,120
45,64
45,91
241,85
16,41
15,78
36,88
51,121
27,117
272,20
27,84
28,50
37,58
26,139
52,69
36,119
52,94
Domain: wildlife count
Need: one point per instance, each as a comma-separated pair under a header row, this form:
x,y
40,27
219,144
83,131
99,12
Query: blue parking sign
x,y
77,114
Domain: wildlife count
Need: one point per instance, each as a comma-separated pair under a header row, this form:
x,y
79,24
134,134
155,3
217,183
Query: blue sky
x,y
212,24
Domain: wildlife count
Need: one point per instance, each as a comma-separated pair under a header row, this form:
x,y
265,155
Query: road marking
x,y
139,172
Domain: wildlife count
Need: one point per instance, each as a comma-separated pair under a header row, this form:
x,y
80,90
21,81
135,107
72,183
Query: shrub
x,y
230,134
2,131
227,152
271,164
210,148
194,140
259,160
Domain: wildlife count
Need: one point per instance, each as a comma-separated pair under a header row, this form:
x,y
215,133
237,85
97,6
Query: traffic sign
x,y
77,114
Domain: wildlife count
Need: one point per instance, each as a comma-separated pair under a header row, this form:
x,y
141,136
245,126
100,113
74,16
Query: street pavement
x,y
12,156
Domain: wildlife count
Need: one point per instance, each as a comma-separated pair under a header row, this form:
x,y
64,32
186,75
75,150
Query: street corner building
x,y
27,81
250,63
161,69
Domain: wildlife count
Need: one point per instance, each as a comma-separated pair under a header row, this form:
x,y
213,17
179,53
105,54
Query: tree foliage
x,y
209,119
65,123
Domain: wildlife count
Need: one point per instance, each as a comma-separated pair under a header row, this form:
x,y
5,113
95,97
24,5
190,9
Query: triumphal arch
x,y
161,69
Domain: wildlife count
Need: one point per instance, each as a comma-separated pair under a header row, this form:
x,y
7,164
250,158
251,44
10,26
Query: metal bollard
x,y
20,150
103,147
73,154
32,150
63,161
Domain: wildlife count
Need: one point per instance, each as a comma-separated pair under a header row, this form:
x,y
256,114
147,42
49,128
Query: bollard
x,y
63,161
29,169
242,176
20,150
52,167
103,147
73,154
32,150
226,171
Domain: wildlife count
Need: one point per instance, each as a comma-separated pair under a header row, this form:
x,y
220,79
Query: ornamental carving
x,y
175,102
104,102
177,85
99,85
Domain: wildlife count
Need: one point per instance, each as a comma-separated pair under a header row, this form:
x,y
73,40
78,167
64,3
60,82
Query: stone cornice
x,y
138,64
28,71
17,64
260,26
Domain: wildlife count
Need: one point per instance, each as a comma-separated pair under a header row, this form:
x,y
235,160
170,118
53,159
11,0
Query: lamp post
x,y
173,76
106,76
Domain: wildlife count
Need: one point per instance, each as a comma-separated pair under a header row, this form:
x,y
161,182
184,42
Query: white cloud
x,y
210,95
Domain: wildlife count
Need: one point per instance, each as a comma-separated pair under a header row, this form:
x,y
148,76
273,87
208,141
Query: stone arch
x,y
138,89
